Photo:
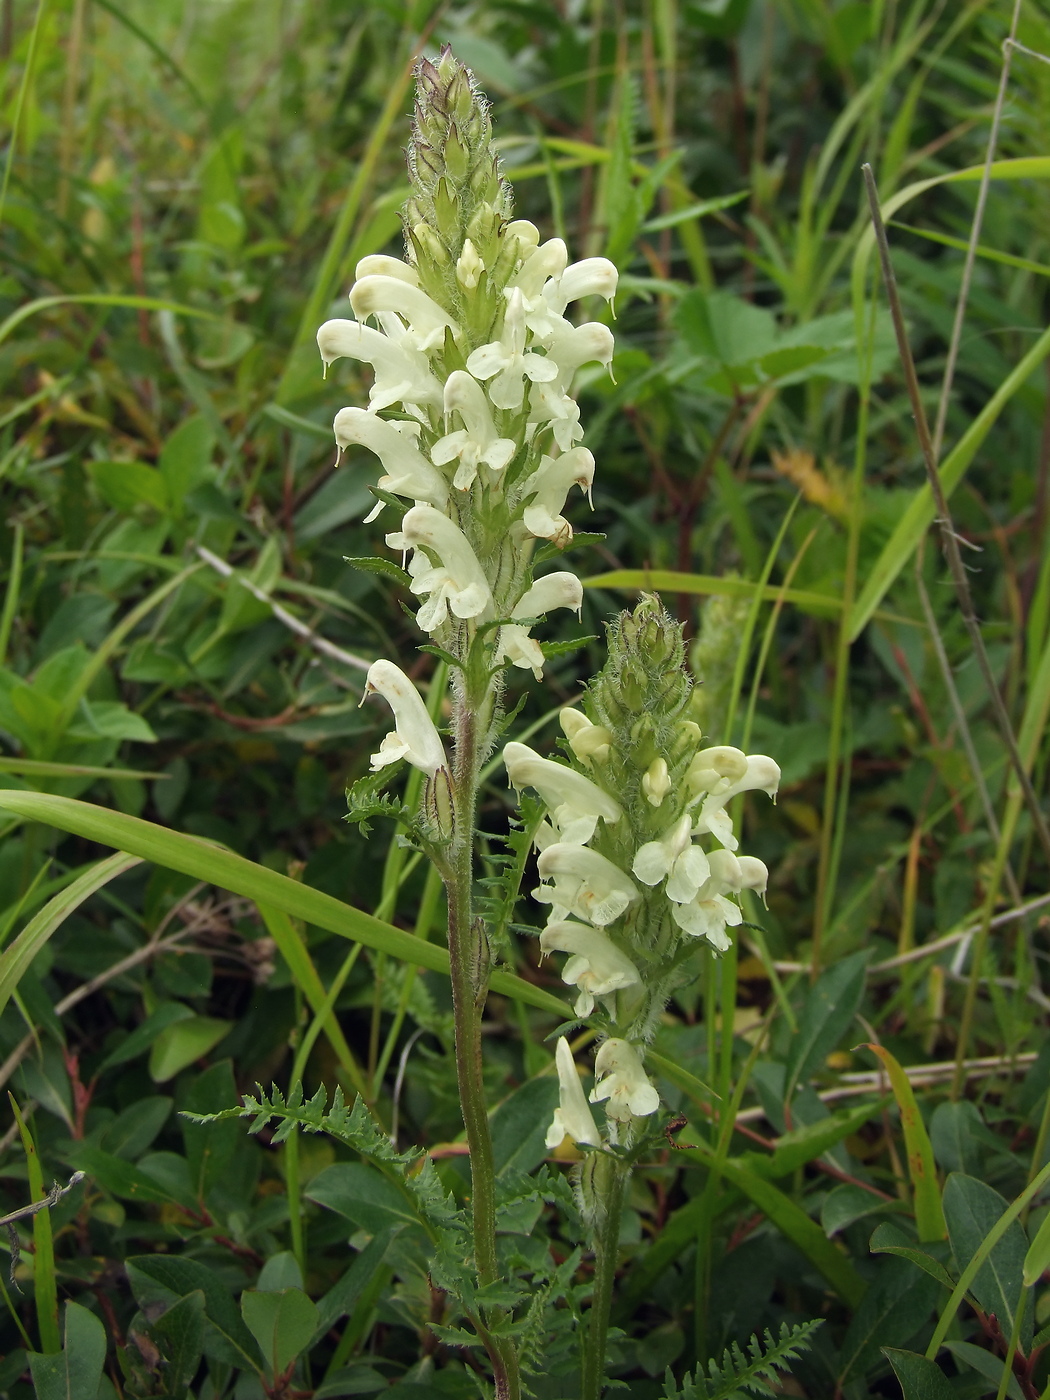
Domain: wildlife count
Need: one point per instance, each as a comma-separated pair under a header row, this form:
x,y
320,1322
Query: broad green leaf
x,y
206,861
125,1181
986,1364
184,1041
845,1204
109,719
132,1132
971,1209
895,1307
790,1219
954,1132
16,959
920,1378
891,1239
357,1284
824,1018
73,1373
280,1271
185,460
157,1279
929,1217
520,1123
363,1195
125,485
142,1037
282,1323
179,1334
811,1140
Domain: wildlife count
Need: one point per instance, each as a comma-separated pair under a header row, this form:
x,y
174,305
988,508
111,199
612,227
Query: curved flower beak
x,y
414,736
572,1117
374,294
408,473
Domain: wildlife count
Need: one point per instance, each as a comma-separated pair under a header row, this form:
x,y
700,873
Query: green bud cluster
x,y
643,697
456,215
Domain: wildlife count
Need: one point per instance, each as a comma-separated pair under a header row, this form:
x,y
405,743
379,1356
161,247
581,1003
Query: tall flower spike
x,y
413,736
572,1117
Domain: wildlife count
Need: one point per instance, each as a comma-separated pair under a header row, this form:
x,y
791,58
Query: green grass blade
x,y
45,1286
99,299
15,960
300,964
205,861
929,1215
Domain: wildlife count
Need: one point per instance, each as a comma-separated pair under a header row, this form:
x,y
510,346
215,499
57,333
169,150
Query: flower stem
x,y
611,1176
468,953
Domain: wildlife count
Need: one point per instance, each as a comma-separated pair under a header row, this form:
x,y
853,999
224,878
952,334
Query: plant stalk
x,y
611,1175
468,955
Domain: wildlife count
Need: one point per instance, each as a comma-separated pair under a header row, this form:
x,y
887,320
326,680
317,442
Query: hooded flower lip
x,y
572,1117
377,293
401,374
597,967
506,362
380,265
408,473
414,736
585,884
548,487
760,774
477,441
574,802
675,859
622,1083
458,584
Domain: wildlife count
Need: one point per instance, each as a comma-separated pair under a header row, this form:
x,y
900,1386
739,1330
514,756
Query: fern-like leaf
x,y
352,1125
738,1374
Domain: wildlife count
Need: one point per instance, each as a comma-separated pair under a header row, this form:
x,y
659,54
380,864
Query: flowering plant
x,y
473,358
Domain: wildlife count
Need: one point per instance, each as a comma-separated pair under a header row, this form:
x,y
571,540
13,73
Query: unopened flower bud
x,y
656,783
469,267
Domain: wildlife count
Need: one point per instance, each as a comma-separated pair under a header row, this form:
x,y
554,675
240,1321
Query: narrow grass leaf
x,y
929,1216
16,959
205,861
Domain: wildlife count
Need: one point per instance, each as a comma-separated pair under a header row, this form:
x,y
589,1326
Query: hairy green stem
x,y
468,954
609,1184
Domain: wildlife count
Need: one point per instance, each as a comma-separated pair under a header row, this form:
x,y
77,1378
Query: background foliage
x,y
187,190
